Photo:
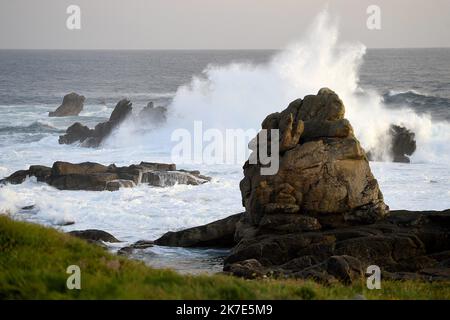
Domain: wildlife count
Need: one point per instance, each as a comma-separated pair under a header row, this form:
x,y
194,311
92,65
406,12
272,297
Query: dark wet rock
x,y
142,244
42,173
82,176
17,177
72,105
94,137
97,177
285,223
90,182
345,269
125,251
117,184
153,115
170,178
216,234
405,245
30,207
94,235
402,145
65,223
76,133
248,269
61,168
139,245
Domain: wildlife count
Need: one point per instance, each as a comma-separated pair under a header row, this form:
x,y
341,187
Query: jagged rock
x,y
76,132
93,235
97,177
403,143
94,137
405,245
286,223
152,114
216,234
324,175
72,105
42,173
405,242
17,177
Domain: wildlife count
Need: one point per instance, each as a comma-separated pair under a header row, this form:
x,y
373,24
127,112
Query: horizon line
x,y
195,49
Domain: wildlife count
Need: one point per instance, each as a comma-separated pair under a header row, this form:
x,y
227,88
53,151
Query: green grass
x,y
34,259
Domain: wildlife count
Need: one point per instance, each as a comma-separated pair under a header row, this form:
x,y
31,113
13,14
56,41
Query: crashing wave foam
x,y
240,95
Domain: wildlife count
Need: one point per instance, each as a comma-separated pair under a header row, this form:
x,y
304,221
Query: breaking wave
x,y
241,95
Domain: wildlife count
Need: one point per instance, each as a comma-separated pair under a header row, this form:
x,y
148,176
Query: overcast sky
x,y
215,24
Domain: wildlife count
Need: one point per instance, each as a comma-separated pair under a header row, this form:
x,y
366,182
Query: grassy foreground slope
x,y
34,259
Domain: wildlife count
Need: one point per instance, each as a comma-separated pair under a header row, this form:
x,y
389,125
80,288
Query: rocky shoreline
x,y
322,216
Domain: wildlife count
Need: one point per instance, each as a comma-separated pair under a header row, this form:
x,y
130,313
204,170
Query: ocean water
x,y
223,89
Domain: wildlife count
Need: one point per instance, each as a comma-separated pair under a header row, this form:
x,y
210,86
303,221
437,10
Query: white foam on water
x,y
241,95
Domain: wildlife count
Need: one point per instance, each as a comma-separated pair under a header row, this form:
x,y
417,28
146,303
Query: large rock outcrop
x,y
405,245
94,137
322,215
97,177
324,178
72,105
